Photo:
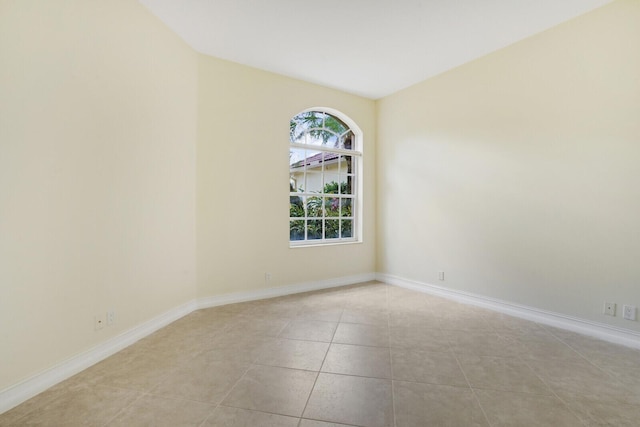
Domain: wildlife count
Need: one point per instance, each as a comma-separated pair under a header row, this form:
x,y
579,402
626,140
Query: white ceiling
x,y
366,47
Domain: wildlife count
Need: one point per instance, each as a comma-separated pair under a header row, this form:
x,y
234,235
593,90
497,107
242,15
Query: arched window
x,y
324,178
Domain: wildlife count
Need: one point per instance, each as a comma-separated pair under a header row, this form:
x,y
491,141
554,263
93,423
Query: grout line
x,y
473,392
209,416
320,370
554,394
124,408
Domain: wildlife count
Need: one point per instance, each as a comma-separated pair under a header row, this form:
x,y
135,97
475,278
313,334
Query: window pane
x,y
345,208
314,207
313,159
346,164
314,229
300,124
296,158
331,162
332,206
346,228
346,184
296,206
331,229
296,230
329,139
313,182
331,183
320,137
296,169
346,141
335,124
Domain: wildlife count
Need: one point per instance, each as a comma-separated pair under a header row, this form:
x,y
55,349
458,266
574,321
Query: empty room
x,y
454,241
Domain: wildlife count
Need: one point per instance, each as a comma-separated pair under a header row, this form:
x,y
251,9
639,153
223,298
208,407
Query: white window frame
x,y
356,190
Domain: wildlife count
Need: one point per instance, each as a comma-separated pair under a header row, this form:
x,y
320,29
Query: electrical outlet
x,y
440,275
99,321
267,277
609,308
629,312
111,317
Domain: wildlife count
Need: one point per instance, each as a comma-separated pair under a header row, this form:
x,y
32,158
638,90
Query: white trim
x,y
18,393
357,193
326,149
284,290
602,331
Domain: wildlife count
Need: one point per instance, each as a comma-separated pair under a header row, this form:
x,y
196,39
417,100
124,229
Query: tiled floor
x,y
365,355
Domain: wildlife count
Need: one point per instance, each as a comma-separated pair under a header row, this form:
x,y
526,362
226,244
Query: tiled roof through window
x,y
315,160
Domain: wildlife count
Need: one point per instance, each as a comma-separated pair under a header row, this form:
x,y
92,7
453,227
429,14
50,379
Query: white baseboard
x,y
18,393
608,333
284,290
30,387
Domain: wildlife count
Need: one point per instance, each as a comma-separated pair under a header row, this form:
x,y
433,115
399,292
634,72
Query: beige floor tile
x,y
504,323
202,321
409,305
358,360
225,416
414,319
464,321
10,417
140,371
243,347
367,317
271,389
573,379
426,367
561,333
628,376
358,334
207,378
418,405
237,308
521,409
499,373
594,413
265,326
313,423
154,411
528,335
542,346
366,300
482,343
399,296
613,356
171,347
351,400
295,354
273,310
83,405
324,314
309,330
418,338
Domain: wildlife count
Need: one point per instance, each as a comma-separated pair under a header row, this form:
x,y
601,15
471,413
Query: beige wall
x,y
518,174
97,176
243,144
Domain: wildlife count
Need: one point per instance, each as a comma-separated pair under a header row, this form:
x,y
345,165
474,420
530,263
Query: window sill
x,y
324,244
